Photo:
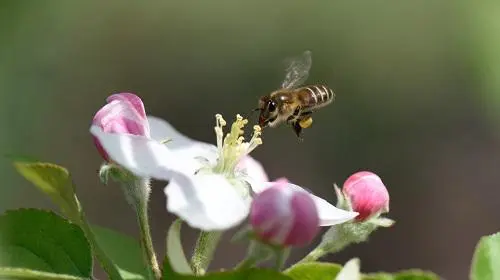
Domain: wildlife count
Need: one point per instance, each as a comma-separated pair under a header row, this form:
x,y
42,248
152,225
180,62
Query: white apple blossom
x,y
210,187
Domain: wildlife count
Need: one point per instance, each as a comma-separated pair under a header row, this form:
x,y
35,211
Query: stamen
x,y
219,124
256,140
233,147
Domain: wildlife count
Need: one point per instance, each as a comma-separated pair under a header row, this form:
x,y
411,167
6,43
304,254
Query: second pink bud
x,y
284,216
367,194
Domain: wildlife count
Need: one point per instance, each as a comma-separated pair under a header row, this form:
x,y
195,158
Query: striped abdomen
x,y
316,96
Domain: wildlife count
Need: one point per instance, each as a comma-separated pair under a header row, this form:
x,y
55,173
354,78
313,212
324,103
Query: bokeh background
x,y
417,85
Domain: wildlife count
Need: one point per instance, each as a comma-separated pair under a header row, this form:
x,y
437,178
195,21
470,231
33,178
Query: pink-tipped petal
x,y
284,216
304,219
121,116
135,100
143,156
329,215
118,111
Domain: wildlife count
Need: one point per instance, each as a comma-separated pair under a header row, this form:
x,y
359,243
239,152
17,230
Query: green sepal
x,y
175,252
486,260
116,173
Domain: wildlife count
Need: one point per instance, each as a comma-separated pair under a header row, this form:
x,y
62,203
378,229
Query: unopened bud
x,y
284,216
367,194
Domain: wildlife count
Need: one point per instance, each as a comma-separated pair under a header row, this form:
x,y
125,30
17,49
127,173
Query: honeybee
x,y
291,104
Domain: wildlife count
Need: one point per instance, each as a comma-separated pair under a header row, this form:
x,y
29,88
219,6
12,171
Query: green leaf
x,y
247,274
378,276
175,251
124,250
486,260
314,271
28,274
41,240
321,270
415,274
52,180
411,274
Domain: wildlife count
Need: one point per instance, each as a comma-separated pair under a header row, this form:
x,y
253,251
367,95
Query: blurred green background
x,y
417,86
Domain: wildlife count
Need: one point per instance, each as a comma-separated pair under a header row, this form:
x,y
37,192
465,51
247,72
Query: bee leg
x,y
295,116
297,112
298,130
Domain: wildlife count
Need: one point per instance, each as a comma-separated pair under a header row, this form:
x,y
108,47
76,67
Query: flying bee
x,y
292,104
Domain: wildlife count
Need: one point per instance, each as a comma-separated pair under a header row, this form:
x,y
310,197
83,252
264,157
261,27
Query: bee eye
x,y
271,106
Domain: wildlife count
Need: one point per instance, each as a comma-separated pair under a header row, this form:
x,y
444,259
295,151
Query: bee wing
x,y
297,70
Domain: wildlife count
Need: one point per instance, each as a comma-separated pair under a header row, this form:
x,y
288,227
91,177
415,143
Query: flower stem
x,y
314,255
281,256
334,240
147,242
257,252
136,192
204,251
247,263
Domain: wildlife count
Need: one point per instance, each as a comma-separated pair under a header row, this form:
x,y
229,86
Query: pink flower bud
x,y
284,216
367,194
124,113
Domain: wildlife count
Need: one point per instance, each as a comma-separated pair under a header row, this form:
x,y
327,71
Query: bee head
x,y
268,110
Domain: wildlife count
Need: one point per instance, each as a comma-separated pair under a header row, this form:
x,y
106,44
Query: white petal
x,y
255,174
206,201
350,271
143,156
181,145
328,214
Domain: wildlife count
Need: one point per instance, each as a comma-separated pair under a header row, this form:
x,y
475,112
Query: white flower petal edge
x,y
206,201
142,156
329,215
253,169
180,144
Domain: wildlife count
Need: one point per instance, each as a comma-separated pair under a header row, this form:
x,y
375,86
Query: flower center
x,y
233,148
